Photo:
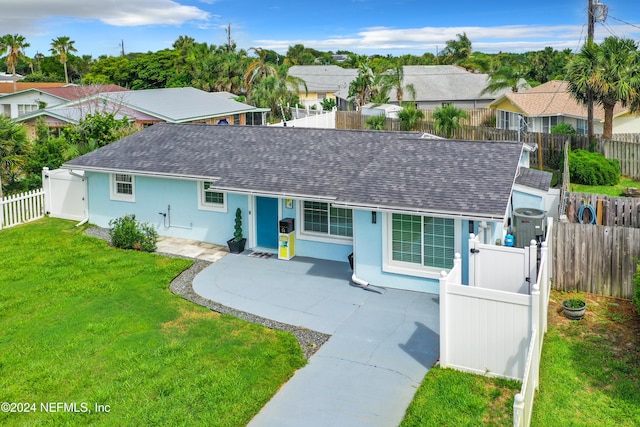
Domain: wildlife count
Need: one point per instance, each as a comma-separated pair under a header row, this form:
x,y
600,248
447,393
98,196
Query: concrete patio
x,y
382,343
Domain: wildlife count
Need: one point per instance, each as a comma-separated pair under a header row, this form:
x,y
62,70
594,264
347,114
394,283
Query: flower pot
x,y
236,246
574,309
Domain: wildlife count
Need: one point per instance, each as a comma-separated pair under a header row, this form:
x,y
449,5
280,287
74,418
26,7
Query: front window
x,y
123,187
211,199
422,240
320,218
419,245
581,127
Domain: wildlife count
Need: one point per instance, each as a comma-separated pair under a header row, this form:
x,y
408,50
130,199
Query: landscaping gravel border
x,y
310,341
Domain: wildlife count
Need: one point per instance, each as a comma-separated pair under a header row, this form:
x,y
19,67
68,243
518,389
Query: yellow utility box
x,y
286,239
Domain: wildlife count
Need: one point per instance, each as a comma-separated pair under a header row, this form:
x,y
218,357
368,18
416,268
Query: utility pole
x,y
122,47
590,30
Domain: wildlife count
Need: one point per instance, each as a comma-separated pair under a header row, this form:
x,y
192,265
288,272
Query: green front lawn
x,y
85,324
590,369
452,398
589,375
615,190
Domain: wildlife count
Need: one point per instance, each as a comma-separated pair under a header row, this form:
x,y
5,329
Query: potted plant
x,y
574,308
236,244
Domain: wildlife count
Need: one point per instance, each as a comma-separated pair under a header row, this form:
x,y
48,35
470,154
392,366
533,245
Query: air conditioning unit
x,y
528,225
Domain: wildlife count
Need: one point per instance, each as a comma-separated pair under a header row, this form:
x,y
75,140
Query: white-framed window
x,y
581,126
210,199
549,122
321,220
420,245
26,108
123,187
507,120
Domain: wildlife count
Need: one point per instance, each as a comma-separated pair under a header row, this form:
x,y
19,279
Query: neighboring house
x,y
323,82
147,107
436,85
401,203
549,104
26,101
8,78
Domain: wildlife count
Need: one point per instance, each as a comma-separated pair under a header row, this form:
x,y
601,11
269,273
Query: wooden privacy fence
x,y
627,153
595,259
601,209
21,208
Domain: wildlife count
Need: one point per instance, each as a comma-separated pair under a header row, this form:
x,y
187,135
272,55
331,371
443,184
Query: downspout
x,y
86,219
354,278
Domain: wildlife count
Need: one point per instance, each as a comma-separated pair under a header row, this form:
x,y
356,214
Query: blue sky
x,y
364,26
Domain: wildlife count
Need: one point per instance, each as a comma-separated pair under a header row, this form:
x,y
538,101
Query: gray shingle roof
x,y
369,169
445,83
540,180
324,78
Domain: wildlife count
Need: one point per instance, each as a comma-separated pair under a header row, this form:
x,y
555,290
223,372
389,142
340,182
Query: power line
x,y
609,29
625,22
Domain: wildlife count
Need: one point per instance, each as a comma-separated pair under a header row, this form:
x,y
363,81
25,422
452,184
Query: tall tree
x,y
260,68
611,72
394,79
456,51
14,148
16,44
61,47
361,88
509,75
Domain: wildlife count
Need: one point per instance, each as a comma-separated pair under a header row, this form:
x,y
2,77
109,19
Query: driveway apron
x,y
381,346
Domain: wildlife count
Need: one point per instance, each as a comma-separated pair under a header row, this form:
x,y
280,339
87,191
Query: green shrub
x,y
128,233
562,129
592,168
376,122
636,289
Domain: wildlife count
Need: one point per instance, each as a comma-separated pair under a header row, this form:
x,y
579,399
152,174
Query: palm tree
x,y
394,79
506,76
456,51
16,44
410,116
611,73
60,47
362,87
14,147
275,92
447,119
259,68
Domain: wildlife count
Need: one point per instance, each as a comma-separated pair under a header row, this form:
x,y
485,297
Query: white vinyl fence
x,y
323,120
494,329
21,208
65,194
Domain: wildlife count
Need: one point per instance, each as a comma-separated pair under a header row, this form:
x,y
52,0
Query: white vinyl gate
x,y
65,194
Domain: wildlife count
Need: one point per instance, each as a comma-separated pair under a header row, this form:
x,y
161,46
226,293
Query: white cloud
x,y
26,15
512,38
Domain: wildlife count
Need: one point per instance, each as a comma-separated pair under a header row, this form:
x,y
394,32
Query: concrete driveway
x,y
381,347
